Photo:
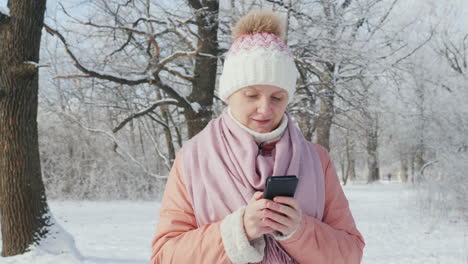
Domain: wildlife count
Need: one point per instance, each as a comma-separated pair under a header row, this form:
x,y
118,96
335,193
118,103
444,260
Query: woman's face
x,y
259,107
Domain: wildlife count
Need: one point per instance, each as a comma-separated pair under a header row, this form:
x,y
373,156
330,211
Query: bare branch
x,y
144,112
296,12
182,100
414,50
185,24
90,72
130,36
176,55
159,22
383,19
123,152
179,74
128,29
167,162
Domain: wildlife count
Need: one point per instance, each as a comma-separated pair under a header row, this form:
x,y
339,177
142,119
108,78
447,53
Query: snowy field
x,y
121,232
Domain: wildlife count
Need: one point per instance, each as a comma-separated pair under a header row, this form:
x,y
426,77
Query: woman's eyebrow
x,y
250,89
279,92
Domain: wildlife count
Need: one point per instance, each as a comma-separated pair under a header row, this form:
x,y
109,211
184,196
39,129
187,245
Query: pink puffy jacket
x,y
178,240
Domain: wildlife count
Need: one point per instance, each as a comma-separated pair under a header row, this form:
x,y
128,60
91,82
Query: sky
x,y
407,9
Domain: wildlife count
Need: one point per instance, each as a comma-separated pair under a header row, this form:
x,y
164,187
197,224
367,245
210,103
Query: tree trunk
x,y
372,155
24,211
304,122
305,106
343,171
373,168
350,169
419,162
421,128
167,130
404,169
326,114
413,174
205,66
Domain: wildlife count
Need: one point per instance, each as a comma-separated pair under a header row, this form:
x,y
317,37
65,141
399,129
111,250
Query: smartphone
x,y
280,186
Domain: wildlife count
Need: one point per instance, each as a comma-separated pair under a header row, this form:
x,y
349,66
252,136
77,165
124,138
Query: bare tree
x,y
171,53
24,211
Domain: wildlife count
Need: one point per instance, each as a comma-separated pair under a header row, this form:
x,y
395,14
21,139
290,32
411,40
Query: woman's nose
x,y
264,106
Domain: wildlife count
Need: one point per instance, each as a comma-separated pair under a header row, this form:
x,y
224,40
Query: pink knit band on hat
x,y
267,41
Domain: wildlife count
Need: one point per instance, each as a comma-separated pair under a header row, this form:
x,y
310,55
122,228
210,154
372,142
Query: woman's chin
x,y
261,126
261,129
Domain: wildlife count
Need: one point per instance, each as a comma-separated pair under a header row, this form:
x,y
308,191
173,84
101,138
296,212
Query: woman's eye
x,y
251,95
276,98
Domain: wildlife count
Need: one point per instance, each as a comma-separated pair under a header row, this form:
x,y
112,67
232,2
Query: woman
x,y
212,209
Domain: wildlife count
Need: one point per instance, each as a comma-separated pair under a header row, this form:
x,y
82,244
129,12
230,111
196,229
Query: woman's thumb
x,y
257,196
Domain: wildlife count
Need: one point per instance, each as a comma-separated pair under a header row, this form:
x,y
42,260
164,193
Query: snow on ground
x,y
395,231
104,232
121,232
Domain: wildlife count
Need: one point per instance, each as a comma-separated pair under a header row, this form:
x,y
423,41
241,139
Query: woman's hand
x,y
254,225
283,214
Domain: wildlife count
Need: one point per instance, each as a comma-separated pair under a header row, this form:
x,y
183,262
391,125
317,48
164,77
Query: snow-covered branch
x,y
127,81
4,15
144,112
5,11
91,72
35,64
117,148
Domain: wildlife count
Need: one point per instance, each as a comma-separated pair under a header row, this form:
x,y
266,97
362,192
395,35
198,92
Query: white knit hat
x,y
258,56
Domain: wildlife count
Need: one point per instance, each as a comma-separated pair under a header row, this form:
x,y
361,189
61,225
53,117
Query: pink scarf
x,y
222,170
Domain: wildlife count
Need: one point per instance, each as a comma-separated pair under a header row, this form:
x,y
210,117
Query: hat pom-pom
x,y
259,21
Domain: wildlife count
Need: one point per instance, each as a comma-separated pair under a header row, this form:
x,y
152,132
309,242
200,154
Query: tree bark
x,y
24,211
418,162
167,131
305,106
326,114
372,155
204,82
304,122
350,164
344,176
351,171
404,169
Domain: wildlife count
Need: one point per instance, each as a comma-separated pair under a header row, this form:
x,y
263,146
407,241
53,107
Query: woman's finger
x,y
267,229
256,196
276,226
283,209
261,204
281,219
287,201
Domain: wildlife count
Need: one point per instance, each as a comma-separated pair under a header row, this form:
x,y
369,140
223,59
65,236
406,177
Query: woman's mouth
x,y
262,122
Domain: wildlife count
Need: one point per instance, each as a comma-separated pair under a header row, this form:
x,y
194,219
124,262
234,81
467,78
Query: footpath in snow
x,y
394,229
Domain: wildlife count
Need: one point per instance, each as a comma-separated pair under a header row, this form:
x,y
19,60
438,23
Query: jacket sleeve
x,y
335,239
178,239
